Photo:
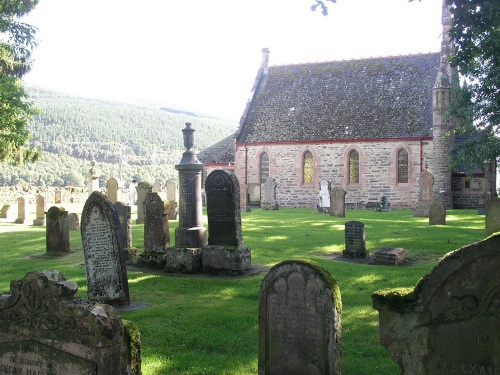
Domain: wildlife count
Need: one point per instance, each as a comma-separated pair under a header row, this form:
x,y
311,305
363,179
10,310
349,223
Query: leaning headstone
x,y
142,191
268,201
40,210
21,210
124,213
492,219
225,250
172,191
300,328
449,323
57,231
425,194
112,188
104,258
45,330
156,231
5,212
73,221
437,213
324,196
355,242
156,187
337,202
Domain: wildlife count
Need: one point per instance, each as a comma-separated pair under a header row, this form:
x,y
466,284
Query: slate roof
x,y
387,97
221,152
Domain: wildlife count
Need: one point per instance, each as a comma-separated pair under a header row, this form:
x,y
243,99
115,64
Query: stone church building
x,y
370,126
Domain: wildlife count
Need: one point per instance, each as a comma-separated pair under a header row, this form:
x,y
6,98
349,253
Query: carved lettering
x,y
468,368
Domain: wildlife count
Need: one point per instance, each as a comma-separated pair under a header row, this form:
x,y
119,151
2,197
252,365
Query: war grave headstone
x,y
225,250
425,194
58,196
300,328
142,191
492,219
124,213
103,253
355,241
190,235
57,231
73,221
437,213
112,189
40,210
449,323
324,196
21,210
45,330
268,201
6,211
337,202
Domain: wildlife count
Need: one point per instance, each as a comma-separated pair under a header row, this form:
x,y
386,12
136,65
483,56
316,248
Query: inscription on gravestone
x,y
355,243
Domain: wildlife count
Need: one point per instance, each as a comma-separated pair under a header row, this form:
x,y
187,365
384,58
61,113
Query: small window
x,y
307,168
264,167
402,166
467,183
353,167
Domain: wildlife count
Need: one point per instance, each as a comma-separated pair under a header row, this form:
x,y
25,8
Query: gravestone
x,y
425,194
142,191
45,330
113,188
124,213
172,191
57,231
225,250
337,202
390,256
103,253
324,196
156,230
268,201
437,213
21,210
156,187
5,212
449,323
492,219
58,196
355,242
300,329
172,210
73,221
40,210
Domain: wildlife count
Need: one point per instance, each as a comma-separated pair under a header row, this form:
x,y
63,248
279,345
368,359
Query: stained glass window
x,y
308,168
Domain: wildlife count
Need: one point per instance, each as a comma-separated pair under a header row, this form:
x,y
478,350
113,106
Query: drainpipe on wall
x,y
421,154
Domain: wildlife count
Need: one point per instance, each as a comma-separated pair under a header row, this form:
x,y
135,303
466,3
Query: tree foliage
x,y
17,41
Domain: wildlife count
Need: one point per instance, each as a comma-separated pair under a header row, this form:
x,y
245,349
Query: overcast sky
x,y
203,55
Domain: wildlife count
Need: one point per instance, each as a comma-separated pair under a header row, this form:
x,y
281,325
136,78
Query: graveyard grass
x,y
209,325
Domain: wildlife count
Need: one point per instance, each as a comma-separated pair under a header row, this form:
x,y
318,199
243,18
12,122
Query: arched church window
x,y
353,167
264,167
402,166
307,168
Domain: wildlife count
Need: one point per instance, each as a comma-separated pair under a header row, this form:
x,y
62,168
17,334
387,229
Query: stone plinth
x,y
183,260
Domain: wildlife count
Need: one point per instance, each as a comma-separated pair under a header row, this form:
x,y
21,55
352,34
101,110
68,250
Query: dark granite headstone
x,y
103,253
45,330
57,231
300,330
124,213
337,202
449,323
355,242
156,231
437,213
492,219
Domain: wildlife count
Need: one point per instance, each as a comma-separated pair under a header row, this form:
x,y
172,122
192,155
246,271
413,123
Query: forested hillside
x,y
72,131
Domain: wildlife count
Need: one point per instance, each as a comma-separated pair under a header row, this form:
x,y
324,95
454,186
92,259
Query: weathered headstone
x,y
437,213
112,188
142,191
355,242
226,250
73,221
449,323
324,196
156,187
5,212
268,201
40,210
425,194
57,231
58,196
492,219
45,330
390,256
300,328
156,230
124,213
21,210
337,202
172,210
172,191
104,258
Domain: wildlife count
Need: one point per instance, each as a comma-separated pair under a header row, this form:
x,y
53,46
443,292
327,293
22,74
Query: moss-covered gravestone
x,y
492,219
300,330
450,322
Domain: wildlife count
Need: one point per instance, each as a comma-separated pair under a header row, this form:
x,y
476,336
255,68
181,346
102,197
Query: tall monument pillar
x,y
190,232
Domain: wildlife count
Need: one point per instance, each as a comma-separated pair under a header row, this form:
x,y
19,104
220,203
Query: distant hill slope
x,y
74,130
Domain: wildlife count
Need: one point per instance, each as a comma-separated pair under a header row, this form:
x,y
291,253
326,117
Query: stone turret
x,y
442,124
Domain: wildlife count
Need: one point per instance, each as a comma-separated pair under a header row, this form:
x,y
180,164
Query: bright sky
x,y
203,55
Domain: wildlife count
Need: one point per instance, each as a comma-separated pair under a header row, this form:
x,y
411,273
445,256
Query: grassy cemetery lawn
x,y
209,325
